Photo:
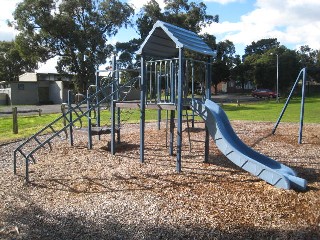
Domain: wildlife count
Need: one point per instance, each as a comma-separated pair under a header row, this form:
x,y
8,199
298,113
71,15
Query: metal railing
x,y
55,128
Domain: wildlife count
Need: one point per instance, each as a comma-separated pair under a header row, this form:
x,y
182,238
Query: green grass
x,y
256,111
270,111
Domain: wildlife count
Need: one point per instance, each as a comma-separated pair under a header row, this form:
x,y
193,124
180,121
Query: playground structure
x,y
164,85
302,73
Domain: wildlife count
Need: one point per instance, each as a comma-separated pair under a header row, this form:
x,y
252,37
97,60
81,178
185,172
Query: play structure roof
x,y
164,40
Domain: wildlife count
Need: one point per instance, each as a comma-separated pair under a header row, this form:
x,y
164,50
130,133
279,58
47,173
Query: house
x,y
37,88
234,87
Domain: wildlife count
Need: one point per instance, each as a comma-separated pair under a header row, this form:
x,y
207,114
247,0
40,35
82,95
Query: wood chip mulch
x,y
76,193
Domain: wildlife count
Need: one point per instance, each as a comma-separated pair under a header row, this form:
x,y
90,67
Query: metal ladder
x,y
54,129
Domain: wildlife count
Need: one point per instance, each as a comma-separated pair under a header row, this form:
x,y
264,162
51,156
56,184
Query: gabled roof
x,y
164,40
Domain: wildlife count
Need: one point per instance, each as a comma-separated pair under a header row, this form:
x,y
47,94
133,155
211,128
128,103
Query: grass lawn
x,y
256,111
270,111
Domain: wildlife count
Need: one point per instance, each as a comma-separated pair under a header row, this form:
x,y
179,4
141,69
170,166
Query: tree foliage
x,y
12,64
75,30
261,46
191,16
310,58
262,67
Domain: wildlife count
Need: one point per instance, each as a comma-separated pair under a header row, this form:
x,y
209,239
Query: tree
x,y
262,68
192,16
75,30
225,61
240,72
261,47
310,58
12,64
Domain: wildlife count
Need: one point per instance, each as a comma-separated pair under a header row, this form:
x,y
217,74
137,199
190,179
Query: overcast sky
x,y
293,22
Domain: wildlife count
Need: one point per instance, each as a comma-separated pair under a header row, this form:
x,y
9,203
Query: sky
x,y
293,22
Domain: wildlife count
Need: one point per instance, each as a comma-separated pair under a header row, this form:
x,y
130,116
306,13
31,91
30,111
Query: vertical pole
x,y
172,115
159,100
166,75
98,118
70,117
172,80
192,90
113,126
180,108
277,78
15,120
89,121
27,169
302,106
142,107
287,102
208,96
14,162
117,98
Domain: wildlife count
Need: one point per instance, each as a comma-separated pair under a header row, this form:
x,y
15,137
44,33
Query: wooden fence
x,y
15,112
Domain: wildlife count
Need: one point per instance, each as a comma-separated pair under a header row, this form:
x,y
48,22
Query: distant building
x,y
36,88
234,87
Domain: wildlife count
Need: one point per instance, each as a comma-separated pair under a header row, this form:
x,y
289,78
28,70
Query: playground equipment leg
x,y
142,107
70,118
113,126
89,121
180,108
303,71
206,146
171,137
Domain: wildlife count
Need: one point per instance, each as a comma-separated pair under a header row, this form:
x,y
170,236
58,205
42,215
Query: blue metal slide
x,y
240,154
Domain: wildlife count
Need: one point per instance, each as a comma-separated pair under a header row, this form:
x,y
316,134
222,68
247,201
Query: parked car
x,y
266,93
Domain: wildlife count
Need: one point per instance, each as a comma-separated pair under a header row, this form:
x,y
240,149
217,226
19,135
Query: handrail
x,y
71,109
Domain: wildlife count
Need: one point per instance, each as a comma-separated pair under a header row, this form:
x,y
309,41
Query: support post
x,y
180,108
117,98
302,106
70,117
89,121
113,126
98,117
208,96
171,137
192,90
288,100
15,120
143,90
159,97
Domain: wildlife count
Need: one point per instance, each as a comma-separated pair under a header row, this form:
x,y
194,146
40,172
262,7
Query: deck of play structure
x,y
166,78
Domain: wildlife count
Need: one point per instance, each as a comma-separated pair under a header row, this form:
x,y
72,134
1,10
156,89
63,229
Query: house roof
x,y
164,40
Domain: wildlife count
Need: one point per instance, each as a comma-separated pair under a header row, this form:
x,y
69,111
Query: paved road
x,y
56,108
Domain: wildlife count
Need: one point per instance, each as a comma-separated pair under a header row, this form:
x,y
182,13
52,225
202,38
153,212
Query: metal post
x,y
159,99
89,121
287,102
180,108
208,96
113,126
277,78
172,115
302,106
97,100
277,82
192,90
142,107
118,99
70,117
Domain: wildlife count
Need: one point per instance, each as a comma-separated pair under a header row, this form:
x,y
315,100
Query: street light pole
x,y
277,78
